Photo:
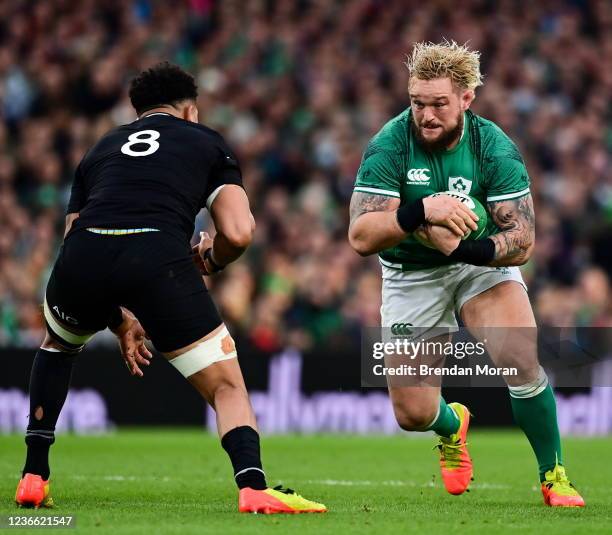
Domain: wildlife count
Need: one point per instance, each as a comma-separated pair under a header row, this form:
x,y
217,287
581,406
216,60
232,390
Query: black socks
x,y
49,382
242,446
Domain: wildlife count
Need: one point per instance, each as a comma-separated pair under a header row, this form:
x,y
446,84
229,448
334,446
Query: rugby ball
x,y
473,204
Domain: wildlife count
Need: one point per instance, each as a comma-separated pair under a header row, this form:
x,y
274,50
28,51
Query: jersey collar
x,y
462,130
462,138
156,113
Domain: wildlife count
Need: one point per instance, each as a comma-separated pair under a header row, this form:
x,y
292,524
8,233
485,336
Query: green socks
x,y
535,411
446,422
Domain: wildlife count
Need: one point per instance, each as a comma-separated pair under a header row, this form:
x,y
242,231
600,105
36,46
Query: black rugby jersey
x,y
156,172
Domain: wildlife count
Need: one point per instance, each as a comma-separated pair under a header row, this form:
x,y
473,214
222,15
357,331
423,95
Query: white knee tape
x,y
532,389
217,348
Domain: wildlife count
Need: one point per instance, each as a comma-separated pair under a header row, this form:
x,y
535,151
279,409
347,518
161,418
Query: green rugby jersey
x,y
485,164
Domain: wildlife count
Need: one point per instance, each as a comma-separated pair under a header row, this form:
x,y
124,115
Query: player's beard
x,y
445,139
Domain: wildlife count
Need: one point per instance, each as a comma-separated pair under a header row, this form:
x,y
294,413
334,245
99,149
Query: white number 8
x,y
146,137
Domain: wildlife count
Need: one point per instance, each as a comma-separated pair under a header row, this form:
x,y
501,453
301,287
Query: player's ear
x,y
190,112
467,98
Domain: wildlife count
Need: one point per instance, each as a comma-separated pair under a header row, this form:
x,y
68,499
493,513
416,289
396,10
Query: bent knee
x,y
50,343
227,392
229,388
414,418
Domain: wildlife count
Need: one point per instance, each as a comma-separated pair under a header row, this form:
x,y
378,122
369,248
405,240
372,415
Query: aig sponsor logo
x,y
65,317
418,177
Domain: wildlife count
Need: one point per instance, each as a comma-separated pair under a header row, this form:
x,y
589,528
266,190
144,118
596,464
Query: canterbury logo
x,y
418,175
401,329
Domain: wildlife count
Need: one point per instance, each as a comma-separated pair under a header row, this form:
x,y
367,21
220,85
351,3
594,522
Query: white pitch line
x,y
328,482
122,478
396,483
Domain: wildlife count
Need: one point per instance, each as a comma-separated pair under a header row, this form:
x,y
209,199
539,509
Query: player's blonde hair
x,y
446,60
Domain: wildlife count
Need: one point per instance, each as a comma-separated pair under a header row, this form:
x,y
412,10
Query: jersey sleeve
x,y
225,171
506,176
379,173
77,193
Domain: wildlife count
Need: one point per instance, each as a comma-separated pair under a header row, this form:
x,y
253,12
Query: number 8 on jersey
x,y
144,137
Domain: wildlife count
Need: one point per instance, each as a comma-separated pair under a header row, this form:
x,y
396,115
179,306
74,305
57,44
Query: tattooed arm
x,y
374,225
516,219
378,224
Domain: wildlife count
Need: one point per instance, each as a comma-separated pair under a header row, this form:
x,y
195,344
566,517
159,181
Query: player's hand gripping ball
x,y
473,204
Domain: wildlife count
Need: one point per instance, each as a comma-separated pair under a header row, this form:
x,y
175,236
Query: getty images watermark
x,y
424,350
405,355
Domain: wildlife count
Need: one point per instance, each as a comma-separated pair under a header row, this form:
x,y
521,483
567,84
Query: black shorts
x,y
150,273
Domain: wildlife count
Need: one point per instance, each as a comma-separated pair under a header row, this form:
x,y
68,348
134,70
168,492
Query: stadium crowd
x,y
297,88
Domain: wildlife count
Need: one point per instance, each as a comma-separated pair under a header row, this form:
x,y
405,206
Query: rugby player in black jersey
x,y
126,263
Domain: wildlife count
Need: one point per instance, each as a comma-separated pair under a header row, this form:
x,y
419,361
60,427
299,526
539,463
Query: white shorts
x,y
431,299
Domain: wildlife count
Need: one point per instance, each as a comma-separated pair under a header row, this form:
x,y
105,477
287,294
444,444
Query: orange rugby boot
x,y
277,500
32,491
455,461
558,491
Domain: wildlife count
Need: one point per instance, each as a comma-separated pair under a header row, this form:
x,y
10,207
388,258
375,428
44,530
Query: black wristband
x,y
411,216
115,319
476,252
208,256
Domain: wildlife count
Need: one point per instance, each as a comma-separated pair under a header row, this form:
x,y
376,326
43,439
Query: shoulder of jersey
x,y
494,141
209,137
190,125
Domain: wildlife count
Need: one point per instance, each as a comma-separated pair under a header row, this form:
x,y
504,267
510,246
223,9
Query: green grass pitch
x,y
179,481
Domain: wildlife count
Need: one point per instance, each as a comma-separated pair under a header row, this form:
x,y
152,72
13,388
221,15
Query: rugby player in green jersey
x,y
437,145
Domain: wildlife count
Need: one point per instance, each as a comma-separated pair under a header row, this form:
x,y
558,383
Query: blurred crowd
x,y
297,87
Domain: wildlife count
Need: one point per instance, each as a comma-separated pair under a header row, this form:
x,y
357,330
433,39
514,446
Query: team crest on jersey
x,y
460,184
418,177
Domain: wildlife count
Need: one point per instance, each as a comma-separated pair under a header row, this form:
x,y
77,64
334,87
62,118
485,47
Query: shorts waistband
x,y
120,231
405,268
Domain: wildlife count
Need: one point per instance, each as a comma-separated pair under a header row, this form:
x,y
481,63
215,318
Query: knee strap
x,y
73,343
